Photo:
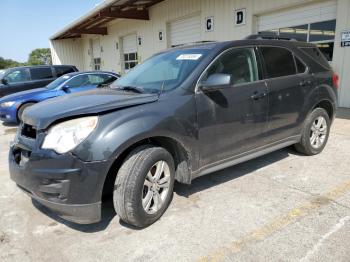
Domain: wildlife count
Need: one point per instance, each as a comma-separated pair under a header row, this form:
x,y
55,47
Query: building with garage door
x,y
118,34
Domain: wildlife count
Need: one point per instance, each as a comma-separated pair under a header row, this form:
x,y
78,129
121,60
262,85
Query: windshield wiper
x,y
135,89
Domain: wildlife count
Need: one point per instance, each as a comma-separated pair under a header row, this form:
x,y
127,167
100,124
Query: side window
x,y
62,70
101,79
18,75
278,61
79,81
301,68
41,73
240,63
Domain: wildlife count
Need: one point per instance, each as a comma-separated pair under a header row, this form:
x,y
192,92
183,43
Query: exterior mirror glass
x,y
216,81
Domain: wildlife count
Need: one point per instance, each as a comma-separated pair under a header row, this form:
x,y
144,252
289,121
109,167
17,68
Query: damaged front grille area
x,y
28,131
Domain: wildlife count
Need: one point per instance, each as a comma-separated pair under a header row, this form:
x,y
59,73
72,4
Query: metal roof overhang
x,y
95,21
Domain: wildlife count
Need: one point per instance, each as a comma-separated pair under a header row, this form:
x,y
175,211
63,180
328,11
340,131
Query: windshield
x,y
59,81
164,71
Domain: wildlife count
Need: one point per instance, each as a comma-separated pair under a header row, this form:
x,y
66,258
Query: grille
x,y
28,131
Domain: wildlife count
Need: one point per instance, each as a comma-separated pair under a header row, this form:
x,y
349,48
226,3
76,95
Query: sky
x,y
28,24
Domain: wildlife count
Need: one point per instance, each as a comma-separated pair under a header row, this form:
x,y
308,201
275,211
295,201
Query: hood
x,y
24,95
95,101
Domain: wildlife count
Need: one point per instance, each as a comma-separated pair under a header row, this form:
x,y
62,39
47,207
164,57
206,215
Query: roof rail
x,y
269,37
193,43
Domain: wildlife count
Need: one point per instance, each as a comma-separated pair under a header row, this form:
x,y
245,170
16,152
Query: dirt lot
x,y
280,207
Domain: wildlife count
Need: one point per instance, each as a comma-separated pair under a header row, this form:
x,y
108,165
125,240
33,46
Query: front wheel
x,y
144,186
315,133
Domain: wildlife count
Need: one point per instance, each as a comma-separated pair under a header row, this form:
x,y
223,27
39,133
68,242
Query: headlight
x,y
65,136
7,104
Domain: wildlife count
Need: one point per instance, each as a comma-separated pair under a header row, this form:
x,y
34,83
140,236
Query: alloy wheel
x,y
318,132
156,187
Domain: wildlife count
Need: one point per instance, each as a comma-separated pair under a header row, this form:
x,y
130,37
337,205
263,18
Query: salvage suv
x,y
181,114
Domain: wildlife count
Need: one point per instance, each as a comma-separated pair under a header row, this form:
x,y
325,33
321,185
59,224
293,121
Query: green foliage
x,y
7,63
40,56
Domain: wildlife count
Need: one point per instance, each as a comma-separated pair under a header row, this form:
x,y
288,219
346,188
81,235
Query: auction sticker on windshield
x,y
189,57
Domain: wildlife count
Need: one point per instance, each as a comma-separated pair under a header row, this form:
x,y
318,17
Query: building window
x,y
130,61
97,63
320,33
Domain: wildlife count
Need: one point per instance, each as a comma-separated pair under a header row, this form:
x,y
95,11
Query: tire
x,y
21,109
131,195
308,144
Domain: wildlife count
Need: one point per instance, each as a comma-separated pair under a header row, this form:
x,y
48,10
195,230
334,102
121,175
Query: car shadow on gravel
x,y
9,128
199,184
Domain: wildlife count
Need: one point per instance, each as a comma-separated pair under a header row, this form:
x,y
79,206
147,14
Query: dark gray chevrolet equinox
x,y
181,114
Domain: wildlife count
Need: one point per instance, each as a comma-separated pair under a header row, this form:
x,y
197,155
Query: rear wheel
x,y
144,186
21,109
315,133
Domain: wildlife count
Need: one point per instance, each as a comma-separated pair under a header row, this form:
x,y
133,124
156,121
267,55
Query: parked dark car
x,y
13,106
29,77
181,114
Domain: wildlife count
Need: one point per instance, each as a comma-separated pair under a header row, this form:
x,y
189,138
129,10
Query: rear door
x,y
288,84
232,119
40,76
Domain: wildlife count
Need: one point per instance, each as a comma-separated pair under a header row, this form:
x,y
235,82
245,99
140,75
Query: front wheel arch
x,y
181,156
22,107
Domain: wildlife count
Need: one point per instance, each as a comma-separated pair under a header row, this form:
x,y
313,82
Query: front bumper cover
x,y
70,187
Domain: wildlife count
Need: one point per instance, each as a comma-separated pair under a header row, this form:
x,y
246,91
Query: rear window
x,y
316,55
279,61
41,73
62,70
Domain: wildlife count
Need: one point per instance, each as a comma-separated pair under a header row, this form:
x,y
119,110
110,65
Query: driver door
x,y
232,118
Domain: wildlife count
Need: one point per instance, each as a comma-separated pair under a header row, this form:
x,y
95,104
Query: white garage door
x,y
129,52
297,16
185,31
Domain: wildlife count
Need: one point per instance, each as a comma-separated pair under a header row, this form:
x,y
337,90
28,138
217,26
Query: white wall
x,y
67,51
222,10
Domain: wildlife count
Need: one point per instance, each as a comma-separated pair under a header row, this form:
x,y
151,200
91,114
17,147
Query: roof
x,y
91,72
95,21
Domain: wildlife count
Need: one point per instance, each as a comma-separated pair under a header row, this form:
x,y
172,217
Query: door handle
x,y
257,96
305,82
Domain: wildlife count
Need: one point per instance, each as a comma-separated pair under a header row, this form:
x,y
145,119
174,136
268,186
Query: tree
x,y
40,56
7,63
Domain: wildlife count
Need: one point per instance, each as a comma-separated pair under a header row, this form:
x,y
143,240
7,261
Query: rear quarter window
x,y
62,70
316,54
301,67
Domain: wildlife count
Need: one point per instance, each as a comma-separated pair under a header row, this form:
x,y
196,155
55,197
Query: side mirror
x,y
66,89
4,81
216,81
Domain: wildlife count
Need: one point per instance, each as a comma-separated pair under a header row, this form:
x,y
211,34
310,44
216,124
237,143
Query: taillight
x,y
335,79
